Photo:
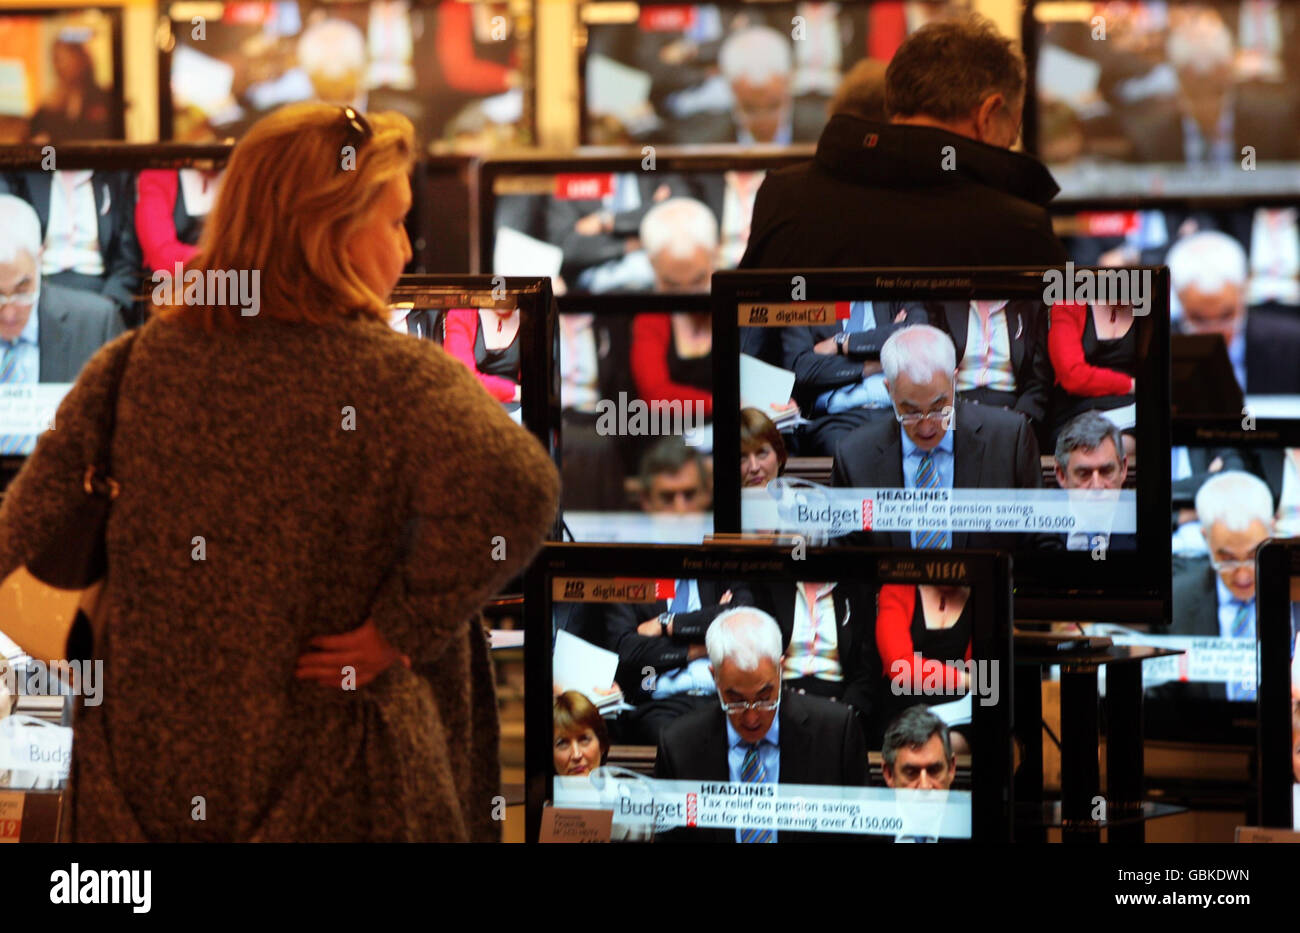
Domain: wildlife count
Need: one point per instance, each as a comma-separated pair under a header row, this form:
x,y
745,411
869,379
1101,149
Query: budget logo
x,y
868,513
692,809
758,315
574,589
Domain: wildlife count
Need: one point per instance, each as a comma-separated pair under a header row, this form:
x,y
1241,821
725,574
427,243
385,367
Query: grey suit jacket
x,y
993,449
73,325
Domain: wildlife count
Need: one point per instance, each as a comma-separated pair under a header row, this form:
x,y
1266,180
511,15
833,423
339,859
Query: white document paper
x,y
201,80
580,665
763,385
1124,418
956,713
517,253
615,89
1064,75
505,108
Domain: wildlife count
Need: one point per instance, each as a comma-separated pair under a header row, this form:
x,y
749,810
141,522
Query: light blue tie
x,y
753,772
10,443
1241,629
927,477
681,597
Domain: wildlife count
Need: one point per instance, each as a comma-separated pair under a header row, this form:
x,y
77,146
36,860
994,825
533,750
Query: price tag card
x,y
11,815
561,825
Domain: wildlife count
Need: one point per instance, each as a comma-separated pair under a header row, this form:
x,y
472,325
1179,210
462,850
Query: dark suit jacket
x,y
878,195
1264,118
73,325
1195,606
1272,349
855,605
1027,330
720,128
992,449
636,652
815,373
115,209
820,744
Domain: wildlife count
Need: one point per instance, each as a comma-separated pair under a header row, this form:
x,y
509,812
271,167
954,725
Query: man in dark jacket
x,y
937,186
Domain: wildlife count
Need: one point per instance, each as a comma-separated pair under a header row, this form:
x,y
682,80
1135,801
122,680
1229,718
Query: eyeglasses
x,y
1232,566
18,298
762,706
358,127
918,417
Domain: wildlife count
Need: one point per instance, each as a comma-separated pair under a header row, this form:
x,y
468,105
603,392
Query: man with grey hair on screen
x,y
47,332
757,734
933,440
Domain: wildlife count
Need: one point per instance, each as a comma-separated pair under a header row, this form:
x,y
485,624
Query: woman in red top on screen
x,y
487,341
671,353
937,629
1094,354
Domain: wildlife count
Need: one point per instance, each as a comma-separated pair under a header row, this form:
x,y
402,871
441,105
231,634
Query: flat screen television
x,y
724,73
150,201
819,738
1155,98
462,72
605,223
1234,274
1278,567
636,393
994,452
61,74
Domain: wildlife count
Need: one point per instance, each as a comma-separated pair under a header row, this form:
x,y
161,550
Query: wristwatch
x,y
842,343
665,620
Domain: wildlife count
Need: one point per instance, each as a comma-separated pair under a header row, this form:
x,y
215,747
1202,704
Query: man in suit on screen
x,y
758,734
930,440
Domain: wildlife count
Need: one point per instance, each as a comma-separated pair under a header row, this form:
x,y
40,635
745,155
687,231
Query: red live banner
x,y
667,18
1109,223
583,186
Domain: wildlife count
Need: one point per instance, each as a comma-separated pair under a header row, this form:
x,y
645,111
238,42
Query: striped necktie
x,y
927,477
10,443
753,772
1241,621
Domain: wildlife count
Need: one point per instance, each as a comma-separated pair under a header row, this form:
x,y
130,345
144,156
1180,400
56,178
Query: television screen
x,y
502,330
73,287
636,393
929,409
745,694
459,71
660,222
1278,567
1234,268
1179,98
748,73
60,75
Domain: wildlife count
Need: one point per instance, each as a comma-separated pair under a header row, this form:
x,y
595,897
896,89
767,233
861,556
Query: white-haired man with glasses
x,y
756,734
1215,595
47,331
934,441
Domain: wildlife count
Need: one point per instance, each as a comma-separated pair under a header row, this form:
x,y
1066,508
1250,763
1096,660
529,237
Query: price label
x,y
11,815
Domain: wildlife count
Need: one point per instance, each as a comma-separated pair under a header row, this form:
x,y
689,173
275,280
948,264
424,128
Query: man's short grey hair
x,y
1208,260
20,229
680,226
1086,432
1235,500
745,636
913,727
332,48
1200,44
756,54
920,351
945,70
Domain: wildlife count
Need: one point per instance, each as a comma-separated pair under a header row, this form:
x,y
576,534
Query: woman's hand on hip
x,y
363,649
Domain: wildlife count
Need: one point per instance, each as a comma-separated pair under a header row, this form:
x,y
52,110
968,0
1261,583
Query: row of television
x,y
1124,99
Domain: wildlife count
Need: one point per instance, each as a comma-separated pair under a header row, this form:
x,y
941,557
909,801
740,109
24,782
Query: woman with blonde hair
x,y
308,511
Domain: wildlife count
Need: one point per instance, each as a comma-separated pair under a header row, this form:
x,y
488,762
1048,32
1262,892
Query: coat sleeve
x,y
479,487
1073,372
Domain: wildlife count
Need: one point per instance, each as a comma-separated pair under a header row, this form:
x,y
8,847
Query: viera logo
x,y
103,887
945,570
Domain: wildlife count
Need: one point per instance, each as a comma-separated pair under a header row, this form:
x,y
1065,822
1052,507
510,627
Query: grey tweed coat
x,y
279,483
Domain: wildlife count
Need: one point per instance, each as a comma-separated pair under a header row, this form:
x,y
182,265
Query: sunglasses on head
x,y
358,127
